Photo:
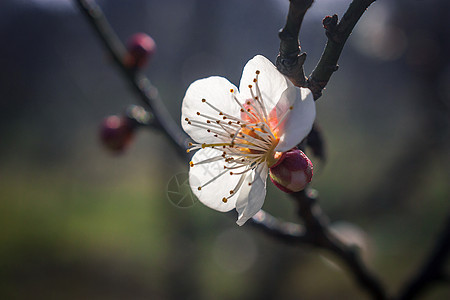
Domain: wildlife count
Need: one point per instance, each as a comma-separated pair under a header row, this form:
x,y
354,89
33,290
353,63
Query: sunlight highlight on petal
x,y
239,134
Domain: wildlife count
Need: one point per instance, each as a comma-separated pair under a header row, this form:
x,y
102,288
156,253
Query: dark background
x,y
77,222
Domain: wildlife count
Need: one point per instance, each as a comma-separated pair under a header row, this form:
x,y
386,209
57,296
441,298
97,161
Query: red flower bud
x,y
141,47
116,133
293,173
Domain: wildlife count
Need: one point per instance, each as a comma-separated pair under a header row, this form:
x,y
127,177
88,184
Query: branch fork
x,y
314,230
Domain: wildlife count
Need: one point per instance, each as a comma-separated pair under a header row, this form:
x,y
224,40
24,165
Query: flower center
x,y
244,141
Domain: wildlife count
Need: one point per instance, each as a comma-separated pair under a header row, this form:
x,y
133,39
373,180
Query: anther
x,y
199,188
224,200
190,144
231,192
250,86
231,173
208,130
231,91
198,113
291,107
189,122
242,110
203,100
191,163
257,72
255,80
186,119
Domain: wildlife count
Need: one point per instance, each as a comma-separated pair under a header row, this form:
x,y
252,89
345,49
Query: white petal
x,y
216,91
271,82
251,200
298,122
212,194
279,114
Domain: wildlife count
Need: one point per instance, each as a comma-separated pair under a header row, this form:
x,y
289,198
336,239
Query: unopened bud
x,y
293,173
140,48
116,133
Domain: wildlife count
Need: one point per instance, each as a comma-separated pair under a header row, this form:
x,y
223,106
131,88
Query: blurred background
x,y
77,222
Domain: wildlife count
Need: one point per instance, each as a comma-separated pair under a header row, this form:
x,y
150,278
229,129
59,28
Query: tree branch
x,y
317,234
337,33
290,60
286,232
432,269
148,94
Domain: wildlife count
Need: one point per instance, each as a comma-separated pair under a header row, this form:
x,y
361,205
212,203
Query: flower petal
x,y
216,91
271,82
251,198
212,193
299,121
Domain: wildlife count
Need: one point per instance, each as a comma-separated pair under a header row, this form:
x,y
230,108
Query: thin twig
x,y
147,93
290,63
432,270
337,33
286,232
318,234
315,231
290,59
149,96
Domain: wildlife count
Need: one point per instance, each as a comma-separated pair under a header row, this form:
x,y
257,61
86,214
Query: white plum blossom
x,y
240,134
